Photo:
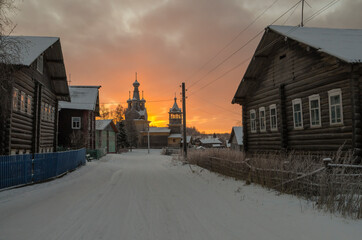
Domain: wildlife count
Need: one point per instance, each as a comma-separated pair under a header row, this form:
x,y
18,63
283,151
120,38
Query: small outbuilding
x,y
236,138
77,118
106,135
211,143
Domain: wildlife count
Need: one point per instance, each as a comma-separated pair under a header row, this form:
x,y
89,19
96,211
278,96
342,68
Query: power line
x,y
330,4
244,45
232,40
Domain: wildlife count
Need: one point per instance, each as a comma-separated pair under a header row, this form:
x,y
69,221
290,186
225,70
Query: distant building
x,y
303,91
211,143
106,135
38,80
236,138
175,124
77,118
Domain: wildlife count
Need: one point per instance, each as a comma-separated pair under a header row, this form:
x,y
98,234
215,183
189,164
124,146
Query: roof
x,y
159,130
82,98
188,139
175,135
175,108
103,124
29,48
238,133
210,141
344,44
24,50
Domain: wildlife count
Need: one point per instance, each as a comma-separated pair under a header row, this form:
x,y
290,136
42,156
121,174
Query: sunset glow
x,y
167,42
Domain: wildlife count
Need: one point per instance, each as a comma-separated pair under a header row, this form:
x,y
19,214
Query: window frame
x,y
29,102
253,126
74,120
16,105
273,106
331,93
262,109
40,64
313,98
294,102
22,102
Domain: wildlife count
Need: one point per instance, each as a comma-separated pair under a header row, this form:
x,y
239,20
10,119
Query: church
x,y
136,114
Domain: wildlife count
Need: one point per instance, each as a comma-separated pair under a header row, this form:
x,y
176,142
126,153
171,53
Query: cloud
x,y
166,42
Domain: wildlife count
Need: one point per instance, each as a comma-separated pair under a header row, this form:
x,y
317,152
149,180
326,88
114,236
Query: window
x,y
253,121
315,111
28,105
262,119
335,107
75,122
273,117
22,102
297,113
53,114
42,111
16,99
39,64
46,107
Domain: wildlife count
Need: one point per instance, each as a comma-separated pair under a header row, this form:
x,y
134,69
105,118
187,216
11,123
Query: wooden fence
x,y
23,169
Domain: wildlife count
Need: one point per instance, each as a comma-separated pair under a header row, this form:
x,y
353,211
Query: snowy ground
x,y
139,196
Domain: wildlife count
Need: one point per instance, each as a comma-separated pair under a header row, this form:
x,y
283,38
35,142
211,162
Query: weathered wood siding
x,y
295,71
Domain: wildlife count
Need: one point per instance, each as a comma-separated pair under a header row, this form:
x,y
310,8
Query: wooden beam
x,y
58,78
55,61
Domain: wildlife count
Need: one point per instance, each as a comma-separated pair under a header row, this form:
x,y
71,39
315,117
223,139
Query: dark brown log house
x,y
302,91
39,82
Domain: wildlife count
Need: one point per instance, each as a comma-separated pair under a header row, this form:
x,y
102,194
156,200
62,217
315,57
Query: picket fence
x,y
23,169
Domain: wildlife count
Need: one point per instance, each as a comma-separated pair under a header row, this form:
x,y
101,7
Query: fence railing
x,y
23,169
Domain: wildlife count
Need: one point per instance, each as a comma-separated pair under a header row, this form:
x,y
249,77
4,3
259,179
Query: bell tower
x,y
175,118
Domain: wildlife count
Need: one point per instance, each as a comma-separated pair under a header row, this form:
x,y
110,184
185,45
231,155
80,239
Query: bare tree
x,y
9,57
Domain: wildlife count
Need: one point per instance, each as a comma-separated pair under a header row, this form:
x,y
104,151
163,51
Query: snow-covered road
x,y
139,196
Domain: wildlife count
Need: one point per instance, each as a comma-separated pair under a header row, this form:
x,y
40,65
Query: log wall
x,y
295,71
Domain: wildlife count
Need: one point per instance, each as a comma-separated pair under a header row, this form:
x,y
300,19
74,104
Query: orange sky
x,y
167,42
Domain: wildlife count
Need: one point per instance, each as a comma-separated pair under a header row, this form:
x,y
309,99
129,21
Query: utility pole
x,y
184,119
301,24
148,138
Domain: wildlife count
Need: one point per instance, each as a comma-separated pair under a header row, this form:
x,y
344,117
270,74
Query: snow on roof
x,y
159,130
82,97
102,124
175,135
238,132
188,139
210,141
344,44
30,48
216,145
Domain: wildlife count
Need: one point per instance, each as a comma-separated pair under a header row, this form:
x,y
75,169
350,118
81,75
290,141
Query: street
x,y
139,196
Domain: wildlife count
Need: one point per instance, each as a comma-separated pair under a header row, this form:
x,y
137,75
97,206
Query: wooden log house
x,y
302,91
39,81
77,119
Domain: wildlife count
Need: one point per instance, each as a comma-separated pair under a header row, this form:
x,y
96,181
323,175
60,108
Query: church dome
x,y
136,83
175,108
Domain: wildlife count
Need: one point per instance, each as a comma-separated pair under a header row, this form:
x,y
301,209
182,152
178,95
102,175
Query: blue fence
x,y
22,169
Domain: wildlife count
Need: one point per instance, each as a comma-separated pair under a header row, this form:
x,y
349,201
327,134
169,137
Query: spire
x,y
175,107
136,93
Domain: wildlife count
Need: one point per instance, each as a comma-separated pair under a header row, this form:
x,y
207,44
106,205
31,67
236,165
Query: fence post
x,y
326,162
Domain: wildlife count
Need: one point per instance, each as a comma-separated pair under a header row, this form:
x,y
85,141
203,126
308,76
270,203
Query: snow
x,y
82,98
210,141
30,47
102,124
344,44
139,196
175,135
238,132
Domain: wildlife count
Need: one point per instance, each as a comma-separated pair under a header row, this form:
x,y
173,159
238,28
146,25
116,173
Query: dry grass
x,y
303,174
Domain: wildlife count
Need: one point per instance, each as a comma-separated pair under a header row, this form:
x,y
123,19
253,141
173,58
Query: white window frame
x,y
76,119
331,93
294,102
313,98
40,64
253,121
29,102
22,101
16,99
53,114
262,109
273,106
